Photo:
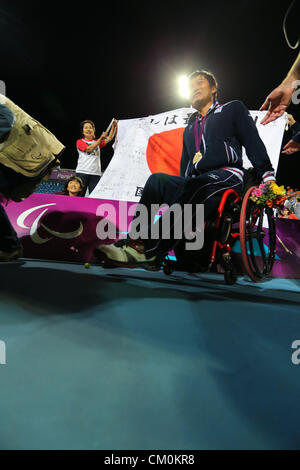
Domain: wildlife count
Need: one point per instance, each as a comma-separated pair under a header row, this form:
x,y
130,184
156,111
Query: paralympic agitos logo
x,y
33,227
176,223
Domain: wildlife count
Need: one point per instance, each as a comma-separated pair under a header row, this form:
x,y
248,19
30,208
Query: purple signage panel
x,y
69,228
65,228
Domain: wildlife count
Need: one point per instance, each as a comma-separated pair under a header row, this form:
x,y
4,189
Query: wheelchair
x,y
238,219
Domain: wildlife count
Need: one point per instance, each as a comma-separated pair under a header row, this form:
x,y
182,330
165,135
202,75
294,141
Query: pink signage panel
x,y
67,229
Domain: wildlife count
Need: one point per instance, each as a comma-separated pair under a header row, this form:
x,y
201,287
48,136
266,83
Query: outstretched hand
x,y
276,103
291,147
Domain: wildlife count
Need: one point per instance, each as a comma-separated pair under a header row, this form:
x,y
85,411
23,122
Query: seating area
x,y
50,187
56,182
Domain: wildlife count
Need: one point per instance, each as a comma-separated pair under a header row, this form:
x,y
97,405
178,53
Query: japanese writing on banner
x,y
153,144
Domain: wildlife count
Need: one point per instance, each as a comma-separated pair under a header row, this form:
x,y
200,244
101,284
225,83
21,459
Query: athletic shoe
x,y
126,254
11,255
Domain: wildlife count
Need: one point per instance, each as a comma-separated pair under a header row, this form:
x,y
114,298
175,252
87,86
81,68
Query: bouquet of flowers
x,y
269,194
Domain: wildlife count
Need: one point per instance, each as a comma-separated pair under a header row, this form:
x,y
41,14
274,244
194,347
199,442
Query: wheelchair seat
x,y
237,218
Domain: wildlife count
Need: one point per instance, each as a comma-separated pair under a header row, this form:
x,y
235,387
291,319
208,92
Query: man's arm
x,y
294,144
296,138
250,139
294,73
279,99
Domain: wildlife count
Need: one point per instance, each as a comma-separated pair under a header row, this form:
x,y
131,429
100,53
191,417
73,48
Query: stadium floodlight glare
x,y
183,86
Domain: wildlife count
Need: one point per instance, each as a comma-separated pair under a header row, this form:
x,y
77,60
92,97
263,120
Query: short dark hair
x,y
209,77
87,121
74,178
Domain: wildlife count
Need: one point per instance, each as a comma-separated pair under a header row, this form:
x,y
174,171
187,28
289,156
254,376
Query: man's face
x,y
200,91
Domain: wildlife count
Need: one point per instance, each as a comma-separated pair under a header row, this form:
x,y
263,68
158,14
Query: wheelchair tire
x,y
257,255
167,269
230,277
230,274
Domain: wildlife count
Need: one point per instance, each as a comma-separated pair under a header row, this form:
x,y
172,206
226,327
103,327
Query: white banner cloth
x,y
154,144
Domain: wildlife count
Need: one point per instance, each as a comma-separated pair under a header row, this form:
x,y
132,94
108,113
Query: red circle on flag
x,y
164,152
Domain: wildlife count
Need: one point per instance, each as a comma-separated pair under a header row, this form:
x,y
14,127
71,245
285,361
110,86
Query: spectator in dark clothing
x,y
294,144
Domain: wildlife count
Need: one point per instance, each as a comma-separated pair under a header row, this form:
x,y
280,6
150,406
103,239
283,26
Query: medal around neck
x,y
197,157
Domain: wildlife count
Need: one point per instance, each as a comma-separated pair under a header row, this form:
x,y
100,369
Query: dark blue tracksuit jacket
x,y
228,127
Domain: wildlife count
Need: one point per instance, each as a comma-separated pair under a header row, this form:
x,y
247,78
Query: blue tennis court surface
x,y
130,359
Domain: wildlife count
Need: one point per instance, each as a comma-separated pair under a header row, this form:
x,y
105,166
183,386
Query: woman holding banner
x,y
89,163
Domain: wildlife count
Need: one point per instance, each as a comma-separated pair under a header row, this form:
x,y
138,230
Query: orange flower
x,y
280,200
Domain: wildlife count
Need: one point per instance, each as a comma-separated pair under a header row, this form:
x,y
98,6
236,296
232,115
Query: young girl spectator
x,y
286,213
73,187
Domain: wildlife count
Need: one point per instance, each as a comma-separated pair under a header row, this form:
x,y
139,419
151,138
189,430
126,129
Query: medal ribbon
x,y
198,135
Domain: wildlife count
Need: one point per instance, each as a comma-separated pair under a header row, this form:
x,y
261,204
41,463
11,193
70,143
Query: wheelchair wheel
x,y
257,238
167,269
230,274
230,277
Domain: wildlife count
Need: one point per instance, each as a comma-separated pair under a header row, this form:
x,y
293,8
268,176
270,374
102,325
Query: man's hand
x,y
291,147
276,103
279,99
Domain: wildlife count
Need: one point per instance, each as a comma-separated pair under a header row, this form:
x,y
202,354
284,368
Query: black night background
x,y
64,62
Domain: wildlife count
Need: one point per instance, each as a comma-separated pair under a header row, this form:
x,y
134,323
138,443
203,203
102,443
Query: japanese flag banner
x,y
153,144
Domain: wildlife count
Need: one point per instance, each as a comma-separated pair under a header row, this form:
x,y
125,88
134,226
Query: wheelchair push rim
x,y
257,240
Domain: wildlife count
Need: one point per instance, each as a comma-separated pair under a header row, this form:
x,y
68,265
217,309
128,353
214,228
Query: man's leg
x,y
206,189
159,189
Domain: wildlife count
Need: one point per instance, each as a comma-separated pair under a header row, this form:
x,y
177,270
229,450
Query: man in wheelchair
x,y
211,163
